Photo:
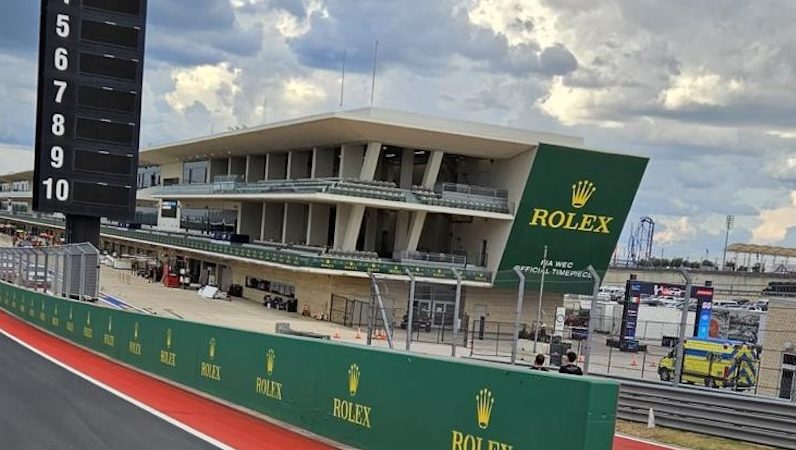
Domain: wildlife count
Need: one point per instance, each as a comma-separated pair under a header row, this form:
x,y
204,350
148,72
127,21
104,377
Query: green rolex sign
x,y
575,202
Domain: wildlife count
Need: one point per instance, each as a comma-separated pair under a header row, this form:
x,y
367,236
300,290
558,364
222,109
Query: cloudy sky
x,y
705,88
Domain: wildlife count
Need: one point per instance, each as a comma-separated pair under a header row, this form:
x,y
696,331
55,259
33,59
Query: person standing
x,y
571,367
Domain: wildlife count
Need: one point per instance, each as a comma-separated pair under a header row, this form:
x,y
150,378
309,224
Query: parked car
x,y
420,321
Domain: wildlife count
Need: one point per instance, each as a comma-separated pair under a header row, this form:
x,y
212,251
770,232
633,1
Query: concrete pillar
x,y
418,219
341,223
351,158
401,231
294,230
298,166
371,161
318,224
432,169
323,162
415,228
255,168
407,168
353,225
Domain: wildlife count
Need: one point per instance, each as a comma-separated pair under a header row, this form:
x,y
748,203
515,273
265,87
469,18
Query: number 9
x,y
57,157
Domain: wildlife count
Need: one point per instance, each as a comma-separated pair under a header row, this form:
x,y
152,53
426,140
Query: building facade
x,y
313,209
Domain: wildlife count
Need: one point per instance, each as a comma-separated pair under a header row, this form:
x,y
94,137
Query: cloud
x,y
15,158
775,223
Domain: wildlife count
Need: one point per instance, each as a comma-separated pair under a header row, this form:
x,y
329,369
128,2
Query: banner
x,y
575,202
360,396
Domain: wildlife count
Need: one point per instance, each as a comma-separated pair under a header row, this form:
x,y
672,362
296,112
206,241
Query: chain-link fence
x,y
68,271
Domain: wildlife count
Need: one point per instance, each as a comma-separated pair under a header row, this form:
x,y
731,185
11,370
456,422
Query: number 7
x,y
59,96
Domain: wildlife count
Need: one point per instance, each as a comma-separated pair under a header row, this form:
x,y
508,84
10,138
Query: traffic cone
x,y
634,362
581,359
359,334
651,419
336,334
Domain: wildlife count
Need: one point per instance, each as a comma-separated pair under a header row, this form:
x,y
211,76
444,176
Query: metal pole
x,y
595,290
387,329
410,313
683,325
520,297
36,271
372,308
539,309
456,311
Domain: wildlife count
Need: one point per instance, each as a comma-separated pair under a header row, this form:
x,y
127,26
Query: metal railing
x,y
68,271
740,417
477,191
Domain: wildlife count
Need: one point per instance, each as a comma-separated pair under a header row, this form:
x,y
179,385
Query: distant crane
x,y
641,240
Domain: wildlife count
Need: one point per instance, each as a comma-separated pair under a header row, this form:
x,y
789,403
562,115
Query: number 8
x,y
59,124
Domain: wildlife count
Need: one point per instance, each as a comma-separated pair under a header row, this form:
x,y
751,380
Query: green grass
x,y
684,439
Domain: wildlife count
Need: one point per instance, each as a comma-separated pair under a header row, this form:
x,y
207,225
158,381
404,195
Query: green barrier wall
x,y
364,397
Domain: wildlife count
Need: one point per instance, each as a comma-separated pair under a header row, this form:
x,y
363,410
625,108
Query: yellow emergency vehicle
x,y
714,363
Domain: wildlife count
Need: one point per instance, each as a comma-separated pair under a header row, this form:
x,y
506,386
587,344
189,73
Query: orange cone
x,y
634,362
359,334
336,334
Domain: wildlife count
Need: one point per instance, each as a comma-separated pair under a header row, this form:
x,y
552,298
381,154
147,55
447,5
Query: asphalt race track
x,y
45,407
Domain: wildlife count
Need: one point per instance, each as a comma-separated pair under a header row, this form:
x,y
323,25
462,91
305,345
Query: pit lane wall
x,y
364,397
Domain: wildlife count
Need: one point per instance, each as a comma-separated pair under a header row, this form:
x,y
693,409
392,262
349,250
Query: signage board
x,y
91,60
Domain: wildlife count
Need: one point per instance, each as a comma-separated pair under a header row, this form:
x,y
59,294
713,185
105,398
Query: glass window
x,y
194,172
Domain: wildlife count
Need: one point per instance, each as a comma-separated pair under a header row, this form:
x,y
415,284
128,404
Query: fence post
x,y
595,290
455,311
410,311
541,296
520,296
679,362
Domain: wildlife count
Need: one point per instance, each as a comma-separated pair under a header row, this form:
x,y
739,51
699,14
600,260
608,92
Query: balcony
x,y
299,256
449,195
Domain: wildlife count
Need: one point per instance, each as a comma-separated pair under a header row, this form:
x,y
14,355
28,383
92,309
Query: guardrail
x,y
736,416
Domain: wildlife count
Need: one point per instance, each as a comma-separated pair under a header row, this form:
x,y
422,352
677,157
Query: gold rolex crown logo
x,y
212,351
582,192
484,402
353,379
270,356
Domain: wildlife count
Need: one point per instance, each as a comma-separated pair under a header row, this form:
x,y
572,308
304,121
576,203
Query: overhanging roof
x,y
762,250
362,125
17,176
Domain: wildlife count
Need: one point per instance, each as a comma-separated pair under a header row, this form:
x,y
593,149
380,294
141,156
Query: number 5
x,y
62,25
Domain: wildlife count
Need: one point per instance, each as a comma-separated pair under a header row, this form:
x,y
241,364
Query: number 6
x,y
61,59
